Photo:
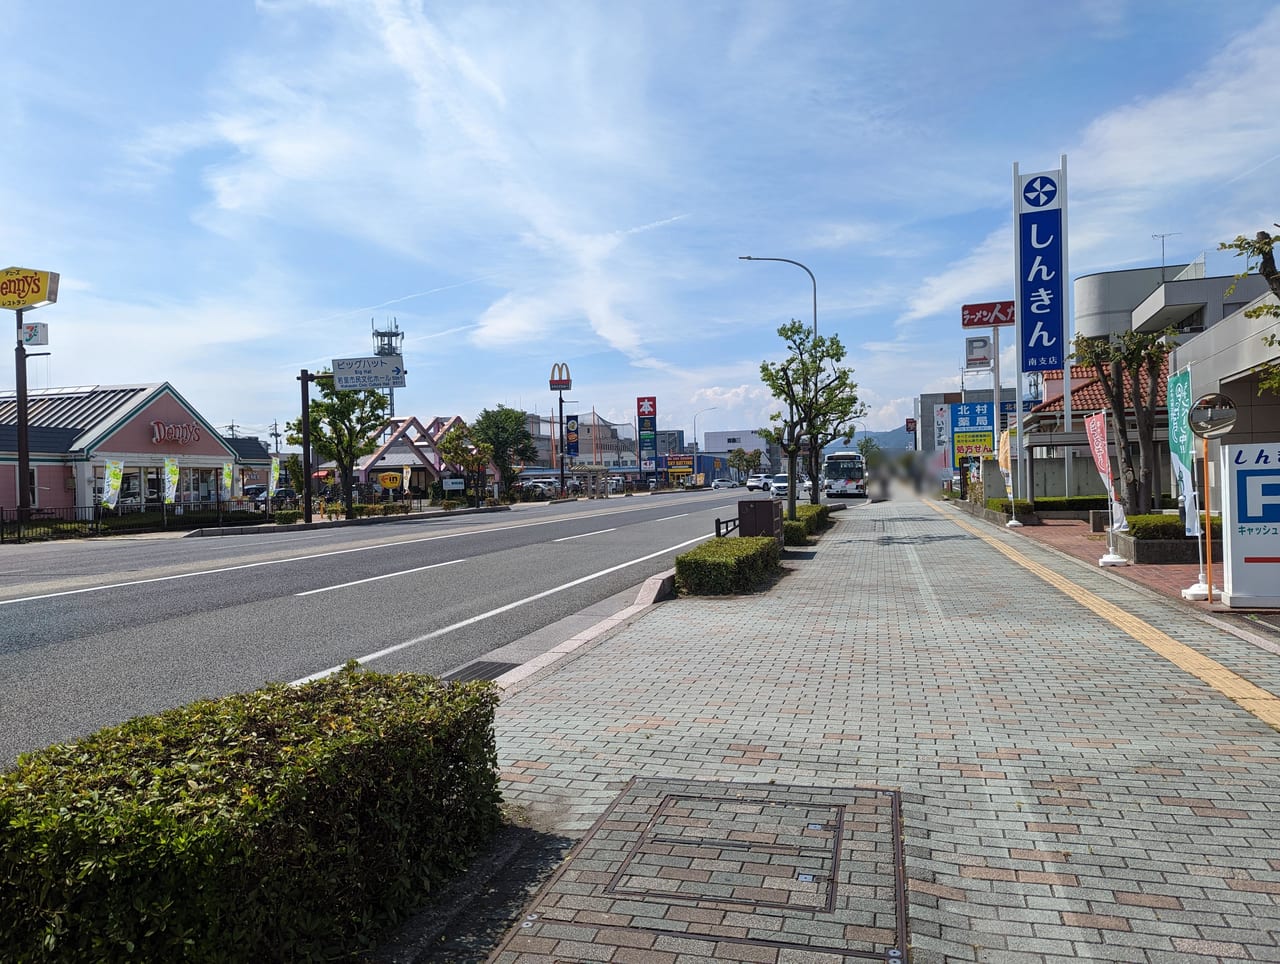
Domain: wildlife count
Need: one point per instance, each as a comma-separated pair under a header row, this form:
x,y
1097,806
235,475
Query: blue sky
x,y
234,191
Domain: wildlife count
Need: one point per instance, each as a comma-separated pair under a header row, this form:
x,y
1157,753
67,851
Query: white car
x,y
755,482
778,485
723,484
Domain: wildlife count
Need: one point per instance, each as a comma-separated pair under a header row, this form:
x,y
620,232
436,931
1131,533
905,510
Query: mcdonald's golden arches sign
x,y
560,380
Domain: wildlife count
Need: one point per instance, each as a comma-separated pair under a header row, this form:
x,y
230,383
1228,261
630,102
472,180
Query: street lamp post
x,y
813,438
695,435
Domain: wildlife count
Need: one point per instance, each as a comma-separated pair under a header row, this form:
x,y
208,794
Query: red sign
x,y
646,405
987,315
911,425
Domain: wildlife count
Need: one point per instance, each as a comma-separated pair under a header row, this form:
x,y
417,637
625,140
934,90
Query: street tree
x,y
462,448
292,466
744,462
1260,246
344,427
1129,367
870,450
821,401
507,434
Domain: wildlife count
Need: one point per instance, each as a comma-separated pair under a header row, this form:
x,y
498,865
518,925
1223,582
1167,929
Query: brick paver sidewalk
x,y
1065,791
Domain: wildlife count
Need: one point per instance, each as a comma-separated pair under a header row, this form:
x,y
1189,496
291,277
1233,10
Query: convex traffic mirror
x,y
1212,416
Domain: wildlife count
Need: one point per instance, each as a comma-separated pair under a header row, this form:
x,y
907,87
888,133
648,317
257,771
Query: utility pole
x,y
275,433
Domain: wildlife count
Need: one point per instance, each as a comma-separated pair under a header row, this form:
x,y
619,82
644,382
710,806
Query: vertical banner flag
x,y
1182,448
1040,251
1004,459
225,488
1095,427
275,478
113,474
170,481
404,478
571,436
941,460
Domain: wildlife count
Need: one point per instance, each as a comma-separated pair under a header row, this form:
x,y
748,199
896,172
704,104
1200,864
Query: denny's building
x,y
73,433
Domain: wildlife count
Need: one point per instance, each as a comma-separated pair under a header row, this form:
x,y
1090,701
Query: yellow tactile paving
x,y
1250,697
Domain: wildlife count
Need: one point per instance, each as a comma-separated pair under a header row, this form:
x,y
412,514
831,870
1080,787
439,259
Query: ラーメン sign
x,y
27,288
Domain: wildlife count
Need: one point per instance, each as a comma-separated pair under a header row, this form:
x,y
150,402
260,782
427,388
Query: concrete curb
x,y
652,591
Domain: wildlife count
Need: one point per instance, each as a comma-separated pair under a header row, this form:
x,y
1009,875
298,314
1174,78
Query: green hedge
x,y
795,532
816,518
287,517
1166,527
1071,503
1021,507
290,823
1080,503
723,566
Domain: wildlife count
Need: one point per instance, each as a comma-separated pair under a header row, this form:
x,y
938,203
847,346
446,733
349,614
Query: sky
x,y
235,191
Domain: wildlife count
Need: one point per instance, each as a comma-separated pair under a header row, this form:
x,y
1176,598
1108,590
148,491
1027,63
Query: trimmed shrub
x,y
795,532
724,566
449,505
1166,527
1021,507
287,517
816,518
289,823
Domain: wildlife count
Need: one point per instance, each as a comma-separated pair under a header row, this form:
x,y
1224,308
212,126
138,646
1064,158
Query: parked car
x,y
778,486
760,482
723,484
282,498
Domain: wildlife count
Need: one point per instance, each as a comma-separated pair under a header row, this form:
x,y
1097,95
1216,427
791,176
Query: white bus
x,y
845,474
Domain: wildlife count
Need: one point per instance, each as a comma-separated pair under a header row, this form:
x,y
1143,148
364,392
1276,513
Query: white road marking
x,y
303,558
389,575
598,532
364,660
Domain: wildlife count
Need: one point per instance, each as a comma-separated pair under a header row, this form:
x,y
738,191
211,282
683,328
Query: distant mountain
x,y
892,440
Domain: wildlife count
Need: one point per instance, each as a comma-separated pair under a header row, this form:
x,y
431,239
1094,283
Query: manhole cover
x,y
697,869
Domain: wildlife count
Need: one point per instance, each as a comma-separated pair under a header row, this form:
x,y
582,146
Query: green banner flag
x,y
1182,447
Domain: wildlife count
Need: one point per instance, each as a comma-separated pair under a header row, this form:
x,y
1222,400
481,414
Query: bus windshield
x,y
845,468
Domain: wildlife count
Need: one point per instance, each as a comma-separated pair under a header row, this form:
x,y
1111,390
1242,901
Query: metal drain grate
x,y
479,670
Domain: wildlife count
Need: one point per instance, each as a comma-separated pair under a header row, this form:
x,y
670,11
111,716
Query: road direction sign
x,y
375,371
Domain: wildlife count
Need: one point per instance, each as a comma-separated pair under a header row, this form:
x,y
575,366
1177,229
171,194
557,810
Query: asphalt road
x,y
95,632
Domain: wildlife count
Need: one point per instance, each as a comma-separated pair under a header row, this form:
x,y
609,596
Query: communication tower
x,y
388,341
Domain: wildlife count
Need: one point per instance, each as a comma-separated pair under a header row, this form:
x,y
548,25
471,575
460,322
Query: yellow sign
x,y
26,288
389,480
972,443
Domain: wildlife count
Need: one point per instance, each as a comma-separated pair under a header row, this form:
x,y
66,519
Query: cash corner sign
x,y
27,288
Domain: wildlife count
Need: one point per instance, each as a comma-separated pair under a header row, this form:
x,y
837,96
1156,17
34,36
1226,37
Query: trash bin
x,y
760,517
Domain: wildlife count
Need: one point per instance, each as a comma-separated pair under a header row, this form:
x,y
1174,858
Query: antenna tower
x,y
388,340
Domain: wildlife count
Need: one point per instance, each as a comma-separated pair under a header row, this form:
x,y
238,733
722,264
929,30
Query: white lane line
x,y
270,562
598,532
303,558
389,575
364,660
670,517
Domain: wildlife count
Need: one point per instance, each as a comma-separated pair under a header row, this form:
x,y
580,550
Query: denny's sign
x,y
26,288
